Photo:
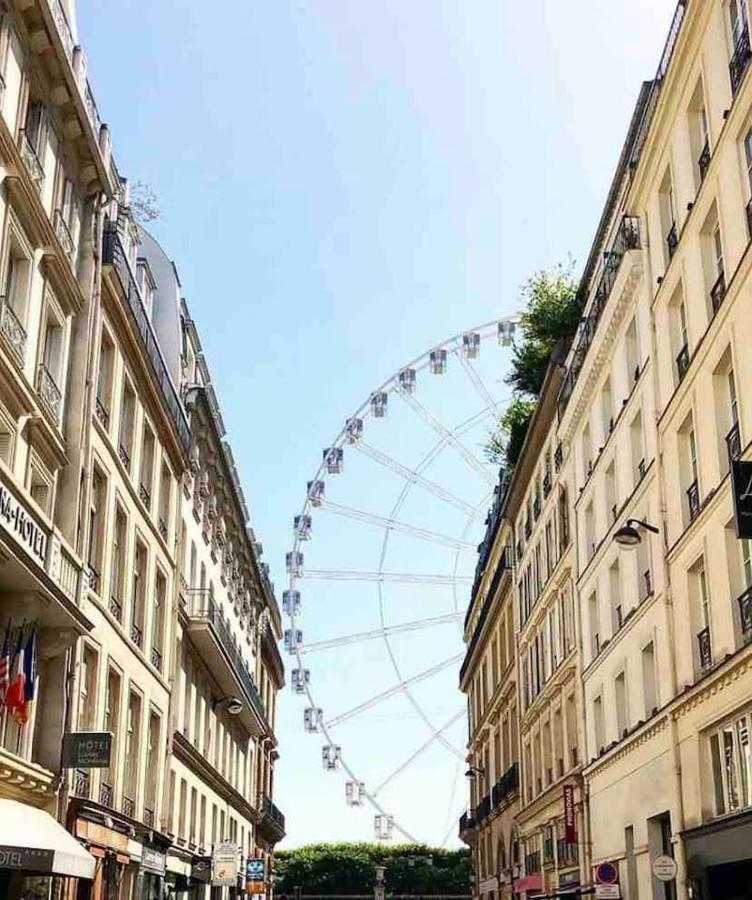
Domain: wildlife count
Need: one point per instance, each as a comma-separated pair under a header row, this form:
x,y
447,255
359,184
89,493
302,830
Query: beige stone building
x,y
132,595
651,411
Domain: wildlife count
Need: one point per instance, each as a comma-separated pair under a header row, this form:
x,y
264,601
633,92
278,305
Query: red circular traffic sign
x,y
606,873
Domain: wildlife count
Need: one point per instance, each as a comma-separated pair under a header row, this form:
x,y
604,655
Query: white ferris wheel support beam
x,y
392,692
424,534
422,749
478,383
358,637
411,475
449,437
395,577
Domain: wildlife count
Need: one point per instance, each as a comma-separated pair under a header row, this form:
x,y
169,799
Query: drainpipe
x,y
679,846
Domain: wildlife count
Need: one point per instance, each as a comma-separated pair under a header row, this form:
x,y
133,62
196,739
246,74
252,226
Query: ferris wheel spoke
x,y
479,385
449,436
358,637
424,534
395,577
419,752
415,477
392,692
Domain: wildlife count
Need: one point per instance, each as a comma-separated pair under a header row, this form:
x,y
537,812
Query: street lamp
x,y
231,705
628,535
474,772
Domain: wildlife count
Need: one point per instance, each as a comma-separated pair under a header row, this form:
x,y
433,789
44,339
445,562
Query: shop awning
x,y
30,839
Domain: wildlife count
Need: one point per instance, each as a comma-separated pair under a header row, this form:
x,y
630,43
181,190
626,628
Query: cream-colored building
x,y
652,409
130,581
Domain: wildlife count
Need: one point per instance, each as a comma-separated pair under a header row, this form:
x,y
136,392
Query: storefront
x,y
719,858
37,853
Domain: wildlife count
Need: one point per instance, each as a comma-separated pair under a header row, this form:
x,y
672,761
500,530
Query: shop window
x,y
731,758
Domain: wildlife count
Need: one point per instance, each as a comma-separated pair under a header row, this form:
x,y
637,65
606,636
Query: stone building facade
x,y
650,409
133,599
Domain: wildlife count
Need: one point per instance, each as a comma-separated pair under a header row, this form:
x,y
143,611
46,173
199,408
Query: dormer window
x,y
146,285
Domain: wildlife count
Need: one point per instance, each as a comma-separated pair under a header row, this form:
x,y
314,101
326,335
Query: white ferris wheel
x,y
379,577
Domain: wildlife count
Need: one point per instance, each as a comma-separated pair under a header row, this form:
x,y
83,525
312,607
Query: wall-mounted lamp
x,y
629,536
231,705
474,772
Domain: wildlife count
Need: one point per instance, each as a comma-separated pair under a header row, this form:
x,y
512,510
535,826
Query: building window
x,y
158,621
165,484
147,466
96,527
138,594
599,731
617,609
612,508
40,485
104,380
622,707
13,309
111,724
117,571
699,136
127,424
732,764
153,767
132,755
667,208
607,410
649,682
595,627
702,613
87,695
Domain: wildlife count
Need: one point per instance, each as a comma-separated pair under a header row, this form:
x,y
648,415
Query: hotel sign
x,y
87,749
22,526
741,478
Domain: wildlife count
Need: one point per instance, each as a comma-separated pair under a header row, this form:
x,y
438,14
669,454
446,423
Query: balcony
x,y
704,161
13,332
81,783
467,822
116,608
682,362
704,650
718,292
672,241
693,500
272,824
137,635
144,496
505,786
114,255
212,636
50,393
103,414
156,658
483,810
627,238
734,442
128,807
31,160
106,794
62,230
745,614
739,60
149,816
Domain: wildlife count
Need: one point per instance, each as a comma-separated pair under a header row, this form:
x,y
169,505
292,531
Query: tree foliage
x,y
550,315
144,202
351,869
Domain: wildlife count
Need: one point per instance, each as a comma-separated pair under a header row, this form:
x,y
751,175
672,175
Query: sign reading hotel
x,y
19,523
741,479
87,749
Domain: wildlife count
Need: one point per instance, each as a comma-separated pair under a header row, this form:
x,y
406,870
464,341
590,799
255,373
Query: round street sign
x,y
664,868
606,873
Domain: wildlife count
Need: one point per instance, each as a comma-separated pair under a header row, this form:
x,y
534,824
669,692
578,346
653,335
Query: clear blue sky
x,y
345,182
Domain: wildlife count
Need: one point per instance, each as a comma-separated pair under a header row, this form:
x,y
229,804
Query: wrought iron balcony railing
x,y
704,648
558,456
128,807
274,813
106,794
114,254
125,457
12,330
62,230
739,60
149,816
103,414
137,635
116,608
212,616
718,291
81,783
50,393
483,809
505,786
31,160
467,821
672,240
693,500
627,238
92,575
704,161
734,442
682,361
745,613
156,658
532,863
144,496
